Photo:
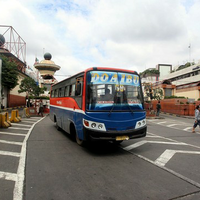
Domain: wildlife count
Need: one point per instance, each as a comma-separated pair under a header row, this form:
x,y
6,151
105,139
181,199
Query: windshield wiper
x,y
111,109
130,108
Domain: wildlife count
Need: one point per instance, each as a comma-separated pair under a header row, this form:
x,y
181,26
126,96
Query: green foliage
x,y
149,72
158,94
29,86
188,64
175,97
9,73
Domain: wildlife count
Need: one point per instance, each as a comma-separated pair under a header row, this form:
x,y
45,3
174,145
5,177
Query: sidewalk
x,y
21,111
175,115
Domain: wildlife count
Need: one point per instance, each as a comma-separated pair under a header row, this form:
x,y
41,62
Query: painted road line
x,y
17,134
29,122
191,145
152,136
8,176
171,125
19,184
188,128
133,146
161,122
26,129
21,125
8,153
8,142
168,170
169,153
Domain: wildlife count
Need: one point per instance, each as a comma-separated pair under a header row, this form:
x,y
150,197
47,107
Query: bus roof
x,y
98,68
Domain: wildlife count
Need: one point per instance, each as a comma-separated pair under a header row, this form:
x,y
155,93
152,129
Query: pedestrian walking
x,y
158,108
40,108
197,118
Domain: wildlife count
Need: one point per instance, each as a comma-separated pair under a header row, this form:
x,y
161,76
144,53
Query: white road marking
x,y
8,153
19,184
169,170
14,124
8,142
133,146
168,154
171,125
152,136
8,176
30,122
26,129
33,118
188,128
161,122
17,134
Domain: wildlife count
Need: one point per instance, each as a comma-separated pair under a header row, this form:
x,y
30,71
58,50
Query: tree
x,y
9,73
29,86
157,93
151,93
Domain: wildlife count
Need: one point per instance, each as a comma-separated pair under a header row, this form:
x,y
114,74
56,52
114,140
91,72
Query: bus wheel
x,y
79,141
57,127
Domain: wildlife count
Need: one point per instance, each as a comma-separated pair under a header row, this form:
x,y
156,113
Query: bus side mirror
x,y
78,89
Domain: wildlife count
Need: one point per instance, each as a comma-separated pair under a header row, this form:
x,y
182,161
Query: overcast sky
x,y
130,34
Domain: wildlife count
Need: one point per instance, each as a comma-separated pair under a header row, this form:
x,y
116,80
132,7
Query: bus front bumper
x,y
113,135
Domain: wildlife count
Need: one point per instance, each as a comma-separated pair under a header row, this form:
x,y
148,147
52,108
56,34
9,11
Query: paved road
x,y
163,165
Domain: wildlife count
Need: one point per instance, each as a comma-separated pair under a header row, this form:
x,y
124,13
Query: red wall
x,y
15,100
173,106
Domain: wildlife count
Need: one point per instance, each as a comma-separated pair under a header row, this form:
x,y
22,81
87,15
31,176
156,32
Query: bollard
x,y
7,118
3,120
26,113
17,116
14,116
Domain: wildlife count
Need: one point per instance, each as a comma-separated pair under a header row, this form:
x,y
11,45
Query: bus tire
x,y
78,141
58,127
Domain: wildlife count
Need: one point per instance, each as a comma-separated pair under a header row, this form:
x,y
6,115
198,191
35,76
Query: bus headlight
x,y
140,124
100,126
94,125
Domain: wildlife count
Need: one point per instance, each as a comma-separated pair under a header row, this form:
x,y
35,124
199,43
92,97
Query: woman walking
x,y
197,118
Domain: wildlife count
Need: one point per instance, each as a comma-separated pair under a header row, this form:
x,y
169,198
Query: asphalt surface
x,y
57,168
39,162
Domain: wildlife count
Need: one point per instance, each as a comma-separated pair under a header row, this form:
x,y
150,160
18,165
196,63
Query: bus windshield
x,y
113,91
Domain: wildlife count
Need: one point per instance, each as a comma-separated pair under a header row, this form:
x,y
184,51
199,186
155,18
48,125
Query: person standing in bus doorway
x,y
40,108
158,108
197,119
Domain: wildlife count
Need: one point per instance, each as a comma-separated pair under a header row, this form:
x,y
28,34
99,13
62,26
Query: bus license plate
x,y
124,137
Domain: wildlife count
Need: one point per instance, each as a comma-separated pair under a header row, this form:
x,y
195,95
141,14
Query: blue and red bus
x,y
100,104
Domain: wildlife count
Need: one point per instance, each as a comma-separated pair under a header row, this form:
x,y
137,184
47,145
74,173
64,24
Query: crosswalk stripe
x,y
8,176
8,153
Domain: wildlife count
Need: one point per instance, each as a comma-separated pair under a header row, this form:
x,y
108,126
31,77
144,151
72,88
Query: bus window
x,y
56,93
62,92
59,93
72,90
52,93
67,91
